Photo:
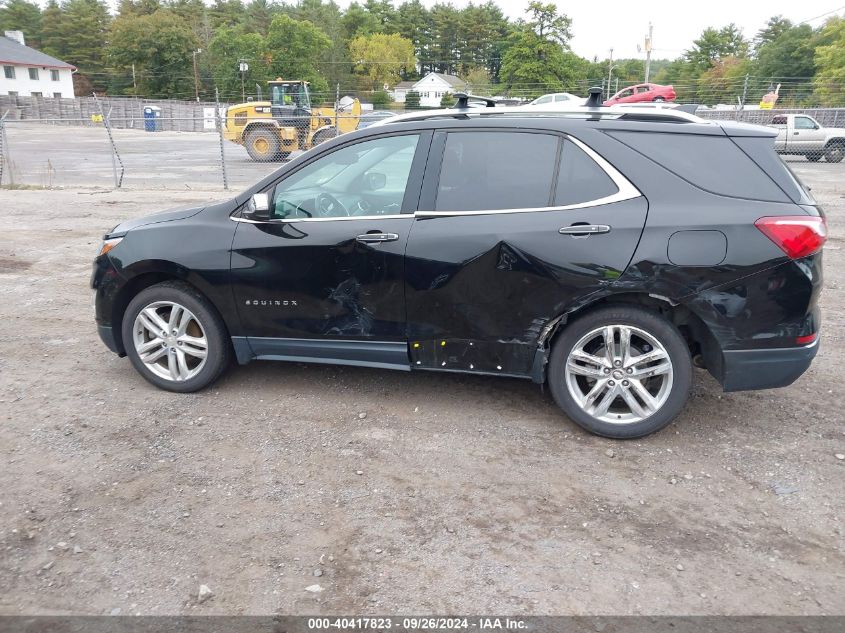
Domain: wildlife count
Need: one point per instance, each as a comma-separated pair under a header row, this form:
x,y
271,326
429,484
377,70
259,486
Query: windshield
x,y
290,94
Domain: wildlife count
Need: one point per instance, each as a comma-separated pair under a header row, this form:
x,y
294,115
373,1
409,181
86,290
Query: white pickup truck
x,y
802,135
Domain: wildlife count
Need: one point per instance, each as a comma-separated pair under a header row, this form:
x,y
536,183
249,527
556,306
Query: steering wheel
x,y
329,207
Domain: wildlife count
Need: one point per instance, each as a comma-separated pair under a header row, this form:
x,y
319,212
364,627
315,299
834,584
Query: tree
x,y
785,54
21,15
259,16
412,100
713,45
413,22
160,46
381,99
830,62
358,21
137,7
226,13
294,48
775,27
478,81
537,59
723,82
226,50
447,100
382,57
53,34
86,24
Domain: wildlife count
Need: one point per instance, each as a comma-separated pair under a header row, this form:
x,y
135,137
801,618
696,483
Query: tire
x,y
322,136
649,332
263,145
198,321
814,157
658,100
835,153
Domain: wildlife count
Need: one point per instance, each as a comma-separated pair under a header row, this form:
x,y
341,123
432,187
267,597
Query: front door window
x,y
363,179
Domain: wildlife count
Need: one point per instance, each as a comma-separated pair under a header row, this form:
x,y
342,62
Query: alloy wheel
x,y
170,341
619,374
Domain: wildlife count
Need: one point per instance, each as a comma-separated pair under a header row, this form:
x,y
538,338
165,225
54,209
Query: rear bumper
x,y
749,369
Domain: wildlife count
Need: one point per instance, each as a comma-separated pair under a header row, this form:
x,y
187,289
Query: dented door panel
x,y
316,280
481,288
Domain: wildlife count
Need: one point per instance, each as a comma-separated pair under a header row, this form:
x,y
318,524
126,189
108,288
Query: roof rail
x,y
620,112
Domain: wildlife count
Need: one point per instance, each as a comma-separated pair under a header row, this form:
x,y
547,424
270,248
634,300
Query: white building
x,y
432,87
28,72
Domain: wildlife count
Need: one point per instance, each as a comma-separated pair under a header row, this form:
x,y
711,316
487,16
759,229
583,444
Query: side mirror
x,y
258,206
375,180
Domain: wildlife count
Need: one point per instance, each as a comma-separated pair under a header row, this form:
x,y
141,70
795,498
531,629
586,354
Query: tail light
x,y
796,235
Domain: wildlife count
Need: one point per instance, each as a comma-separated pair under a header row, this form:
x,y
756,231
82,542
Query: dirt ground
x,y
395,493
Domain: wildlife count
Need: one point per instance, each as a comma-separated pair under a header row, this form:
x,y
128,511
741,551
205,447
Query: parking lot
x,y
392,492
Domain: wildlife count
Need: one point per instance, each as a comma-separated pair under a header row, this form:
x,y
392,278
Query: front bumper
x,y
749,369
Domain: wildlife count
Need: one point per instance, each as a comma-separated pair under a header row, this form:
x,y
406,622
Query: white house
x,y
28,72
432,87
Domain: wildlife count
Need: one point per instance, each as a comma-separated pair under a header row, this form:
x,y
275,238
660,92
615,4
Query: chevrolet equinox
x,y
603,251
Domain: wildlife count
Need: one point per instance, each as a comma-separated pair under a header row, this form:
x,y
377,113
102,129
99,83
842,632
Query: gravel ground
x,y
392,492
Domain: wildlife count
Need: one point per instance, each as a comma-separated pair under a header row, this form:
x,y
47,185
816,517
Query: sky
x,y
598,25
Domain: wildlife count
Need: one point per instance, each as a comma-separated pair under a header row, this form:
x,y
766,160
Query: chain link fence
x,y
133,143
140,144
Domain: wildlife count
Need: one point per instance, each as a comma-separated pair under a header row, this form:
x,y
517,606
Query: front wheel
x,y
323,135
175,338
835,154
621,372
263,145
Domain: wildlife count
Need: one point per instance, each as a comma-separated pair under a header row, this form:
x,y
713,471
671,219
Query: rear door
x,y
514,228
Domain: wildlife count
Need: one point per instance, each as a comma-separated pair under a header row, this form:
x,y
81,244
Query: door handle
x,y
584,229
376,238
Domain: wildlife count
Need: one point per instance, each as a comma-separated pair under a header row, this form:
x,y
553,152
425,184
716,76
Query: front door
x,y
324,278
514,228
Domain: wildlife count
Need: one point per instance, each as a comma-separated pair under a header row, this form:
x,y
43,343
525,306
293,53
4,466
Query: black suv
x,y
602,251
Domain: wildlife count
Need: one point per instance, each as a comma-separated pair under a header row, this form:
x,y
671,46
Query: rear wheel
x,y
659,100
175,338
621,372
835,153
262,144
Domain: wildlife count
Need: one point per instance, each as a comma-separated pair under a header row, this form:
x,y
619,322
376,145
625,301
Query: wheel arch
x,y
164,271
702,344
836,141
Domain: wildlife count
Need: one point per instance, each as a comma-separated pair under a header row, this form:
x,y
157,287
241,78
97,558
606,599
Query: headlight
x,y
107,245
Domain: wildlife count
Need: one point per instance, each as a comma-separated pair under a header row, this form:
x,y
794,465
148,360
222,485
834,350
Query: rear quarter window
x,y
712,163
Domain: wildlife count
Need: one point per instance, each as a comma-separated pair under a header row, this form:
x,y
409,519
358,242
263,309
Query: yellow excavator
x,y
271,130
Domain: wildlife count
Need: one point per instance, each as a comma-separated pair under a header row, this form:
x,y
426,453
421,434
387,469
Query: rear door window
x,y
580,179
486,171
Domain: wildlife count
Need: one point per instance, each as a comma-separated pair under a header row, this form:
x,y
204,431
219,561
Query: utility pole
x,y
196,75
609,72
648,52
134,83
